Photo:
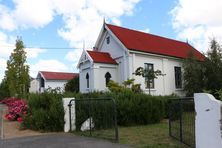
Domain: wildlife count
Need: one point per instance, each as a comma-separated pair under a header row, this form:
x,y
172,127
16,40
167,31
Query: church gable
x,y
84,58
111,45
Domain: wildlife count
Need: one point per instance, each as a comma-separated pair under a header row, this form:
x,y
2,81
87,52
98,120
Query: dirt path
x,y
11,129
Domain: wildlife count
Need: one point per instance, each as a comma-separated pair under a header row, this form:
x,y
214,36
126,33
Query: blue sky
x,y
54,31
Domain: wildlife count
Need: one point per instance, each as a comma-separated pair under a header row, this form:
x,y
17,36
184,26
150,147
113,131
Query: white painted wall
x,y
163,85
208,126
113,47
117,52
99,70
83,70
34,86
55,84
66,115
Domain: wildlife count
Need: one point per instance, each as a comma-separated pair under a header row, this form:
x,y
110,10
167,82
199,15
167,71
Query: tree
x,y
4,92
213,67
72,85
193,75
17,72
148,74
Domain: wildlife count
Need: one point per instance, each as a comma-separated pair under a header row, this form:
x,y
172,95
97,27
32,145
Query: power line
x,y
47,47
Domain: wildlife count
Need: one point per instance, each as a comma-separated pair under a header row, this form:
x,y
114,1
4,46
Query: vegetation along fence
x,y
94,117
182,120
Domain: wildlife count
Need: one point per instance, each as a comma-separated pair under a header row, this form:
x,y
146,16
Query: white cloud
x,y
82,22
34,52
198,21
85,23
2,68
47,65
6,47
7,20
74,55
27,14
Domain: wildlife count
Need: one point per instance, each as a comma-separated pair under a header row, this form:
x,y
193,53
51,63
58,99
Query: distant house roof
x,y
145,42
58,75
101,57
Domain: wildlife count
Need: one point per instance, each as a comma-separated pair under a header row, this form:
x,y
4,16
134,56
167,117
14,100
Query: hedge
x,y
45,112
132,108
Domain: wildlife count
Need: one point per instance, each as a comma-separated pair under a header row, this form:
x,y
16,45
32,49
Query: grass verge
x,y
147,136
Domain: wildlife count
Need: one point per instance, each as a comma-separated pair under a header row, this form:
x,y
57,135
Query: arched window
x,y
107,76
87,80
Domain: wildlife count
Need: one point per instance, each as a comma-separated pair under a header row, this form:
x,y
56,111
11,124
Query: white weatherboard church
x,y
119,51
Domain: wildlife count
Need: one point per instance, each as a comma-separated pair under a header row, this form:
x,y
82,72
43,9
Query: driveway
x,y
58,141
1,121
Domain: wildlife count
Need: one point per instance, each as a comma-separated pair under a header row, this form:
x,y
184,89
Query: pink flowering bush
x,y
17,109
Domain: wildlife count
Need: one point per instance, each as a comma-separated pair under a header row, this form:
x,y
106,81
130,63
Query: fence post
x,y
115,121
70,118
170,114
181,124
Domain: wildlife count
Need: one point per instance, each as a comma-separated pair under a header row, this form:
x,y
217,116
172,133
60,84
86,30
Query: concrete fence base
x,y
208,121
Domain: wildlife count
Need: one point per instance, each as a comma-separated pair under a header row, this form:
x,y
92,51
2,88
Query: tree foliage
x,y
205,75
72,85
213,67
127,85
193,75
4,92
149,74
17,72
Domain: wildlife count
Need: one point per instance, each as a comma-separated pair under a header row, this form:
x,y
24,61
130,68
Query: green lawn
x,y
148,136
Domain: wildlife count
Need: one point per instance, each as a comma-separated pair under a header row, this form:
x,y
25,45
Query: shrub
x,y
46,112
17,109
132,108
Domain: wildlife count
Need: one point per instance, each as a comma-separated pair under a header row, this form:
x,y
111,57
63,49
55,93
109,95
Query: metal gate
x,y
182,120
100,114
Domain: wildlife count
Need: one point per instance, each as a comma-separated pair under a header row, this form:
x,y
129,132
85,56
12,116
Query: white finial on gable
x,y
104,20
84,45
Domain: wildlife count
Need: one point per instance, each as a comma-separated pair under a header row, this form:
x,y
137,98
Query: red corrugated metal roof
x,y
58,75
101,57
145,42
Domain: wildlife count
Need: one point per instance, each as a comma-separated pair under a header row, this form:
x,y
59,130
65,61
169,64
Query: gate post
x,y
67,111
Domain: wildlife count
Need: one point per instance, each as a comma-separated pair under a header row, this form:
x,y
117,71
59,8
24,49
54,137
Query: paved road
x,y
58,141
61,140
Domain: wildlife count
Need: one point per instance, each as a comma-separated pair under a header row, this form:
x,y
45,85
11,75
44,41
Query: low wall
x,y
208,124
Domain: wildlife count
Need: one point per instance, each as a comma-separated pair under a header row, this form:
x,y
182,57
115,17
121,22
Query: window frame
x,y
87,80
108,40
178,77
108,76
152,84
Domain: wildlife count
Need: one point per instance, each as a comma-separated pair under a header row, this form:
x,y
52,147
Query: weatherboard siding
x,y
164,85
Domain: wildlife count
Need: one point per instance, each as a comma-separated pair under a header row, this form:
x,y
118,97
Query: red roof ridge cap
x,y
58,72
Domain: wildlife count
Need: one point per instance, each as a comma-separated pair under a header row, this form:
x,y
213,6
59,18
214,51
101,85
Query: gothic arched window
x,y
107,76
87,80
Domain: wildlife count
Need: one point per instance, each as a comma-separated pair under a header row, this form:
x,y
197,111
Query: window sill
x,y
179,89
151,89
